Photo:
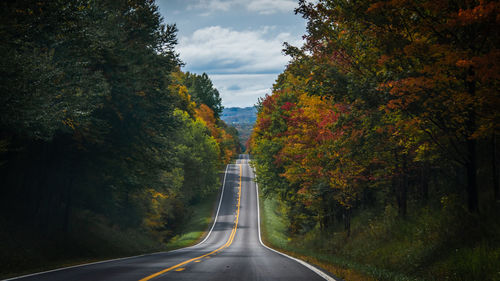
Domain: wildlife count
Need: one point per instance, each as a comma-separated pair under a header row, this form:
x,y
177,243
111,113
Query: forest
x,y
378,147
102,136
243,119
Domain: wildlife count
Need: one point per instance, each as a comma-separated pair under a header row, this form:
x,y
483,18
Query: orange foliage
x,y
223,139
206,114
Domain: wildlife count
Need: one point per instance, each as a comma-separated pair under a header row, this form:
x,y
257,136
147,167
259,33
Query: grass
x,y
25,251
274,229
198,224
430,244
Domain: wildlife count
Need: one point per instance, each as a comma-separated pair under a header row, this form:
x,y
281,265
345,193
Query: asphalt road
x,y
231,251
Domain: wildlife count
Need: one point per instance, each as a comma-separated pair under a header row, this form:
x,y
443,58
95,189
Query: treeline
x,y
98,124
389,103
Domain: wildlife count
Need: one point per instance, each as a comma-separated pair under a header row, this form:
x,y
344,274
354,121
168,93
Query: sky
x,y
238,43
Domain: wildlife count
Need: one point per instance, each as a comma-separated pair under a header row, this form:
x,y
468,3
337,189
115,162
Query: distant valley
x,y
242,119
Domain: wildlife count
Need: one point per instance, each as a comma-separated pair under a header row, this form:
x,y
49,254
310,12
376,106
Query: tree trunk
x,y
42,203
401,185
471,164
472,199
424,183
347,221
67,208
404,189
496,188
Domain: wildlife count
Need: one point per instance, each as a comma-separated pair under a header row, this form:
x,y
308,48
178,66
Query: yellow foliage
x,y
157,195
69,122
177,88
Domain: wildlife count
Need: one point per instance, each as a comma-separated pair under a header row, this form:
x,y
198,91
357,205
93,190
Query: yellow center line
x,y
228,243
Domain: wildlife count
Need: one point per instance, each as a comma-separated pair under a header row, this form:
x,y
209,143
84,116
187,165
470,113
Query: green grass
x,y
26,251
430,244
198,224
273,225
274,234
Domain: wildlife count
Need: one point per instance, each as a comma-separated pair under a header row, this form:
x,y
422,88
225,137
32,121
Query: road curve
x,y
232,251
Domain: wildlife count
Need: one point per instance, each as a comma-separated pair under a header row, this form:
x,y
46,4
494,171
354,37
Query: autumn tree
x,y
384,97
98,124
428,60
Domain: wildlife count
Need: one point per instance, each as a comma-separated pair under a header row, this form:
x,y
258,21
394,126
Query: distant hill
x,y
242,119
239,115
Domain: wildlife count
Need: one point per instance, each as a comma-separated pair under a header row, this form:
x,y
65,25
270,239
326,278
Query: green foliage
x,y
198,225
97,120
203,92
430,244
387,107
46,81
197,152
93,238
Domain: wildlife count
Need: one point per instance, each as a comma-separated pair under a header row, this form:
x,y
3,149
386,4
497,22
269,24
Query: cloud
x,y
264,7
210,6
243,65
249,87
237,43
216,49
267,7
234,87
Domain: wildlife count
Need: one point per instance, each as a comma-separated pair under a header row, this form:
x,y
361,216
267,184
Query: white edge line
x,y
125,258
314,269
218,208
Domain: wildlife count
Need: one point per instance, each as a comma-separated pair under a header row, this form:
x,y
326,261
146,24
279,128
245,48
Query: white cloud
x,y
222,50
243,65
268,7
212,5
265,7
236,43
242,90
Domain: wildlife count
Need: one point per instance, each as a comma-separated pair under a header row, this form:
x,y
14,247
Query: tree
x,y
99,120
203,92
429,56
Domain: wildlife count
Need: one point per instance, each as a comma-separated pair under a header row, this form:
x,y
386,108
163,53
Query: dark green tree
x,y
203,91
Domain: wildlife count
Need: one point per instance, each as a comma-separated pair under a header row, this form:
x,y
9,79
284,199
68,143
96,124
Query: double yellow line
x,y
228,243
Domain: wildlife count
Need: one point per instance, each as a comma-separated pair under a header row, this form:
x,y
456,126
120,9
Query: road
x,y
231,251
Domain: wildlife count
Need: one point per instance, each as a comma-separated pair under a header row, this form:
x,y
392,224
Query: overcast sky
x,y
237,43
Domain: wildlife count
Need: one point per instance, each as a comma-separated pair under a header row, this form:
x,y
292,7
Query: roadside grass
x,y
430,244
274,229
25,251
198,225
93,239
